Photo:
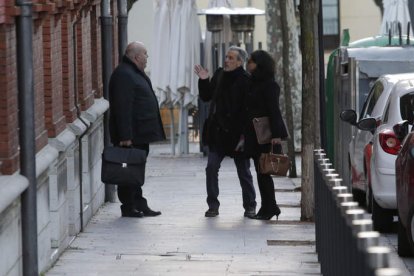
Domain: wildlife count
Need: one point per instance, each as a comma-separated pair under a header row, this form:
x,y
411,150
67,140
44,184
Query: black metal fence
x,y
345,241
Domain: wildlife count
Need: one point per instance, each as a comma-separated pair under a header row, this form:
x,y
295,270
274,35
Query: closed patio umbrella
x,y
160,70
177,38
395,11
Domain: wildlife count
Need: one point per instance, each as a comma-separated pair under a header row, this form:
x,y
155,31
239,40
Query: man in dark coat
x,y
224,126
135,119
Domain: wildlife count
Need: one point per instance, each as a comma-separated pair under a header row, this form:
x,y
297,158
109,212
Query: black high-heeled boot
x,y
267,216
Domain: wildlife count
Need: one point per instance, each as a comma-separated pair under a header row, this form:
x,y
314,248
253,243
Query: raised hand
x,y
201,72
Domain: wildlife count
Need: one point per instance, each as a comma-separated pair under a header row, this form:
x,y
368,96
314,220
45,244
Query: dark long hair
x,y
265,65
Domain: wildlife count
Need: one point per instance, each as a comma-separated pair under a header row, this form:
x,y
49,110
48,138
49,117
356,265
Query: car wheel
x,y
382,218
368,199
410,229
404,248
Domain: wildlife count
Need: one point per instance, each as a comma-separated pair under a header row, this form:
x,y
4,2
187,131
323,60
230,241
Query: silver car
x,y
360,146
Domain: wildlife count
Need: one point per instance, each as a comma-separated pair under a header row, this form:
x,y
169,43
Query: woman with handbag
x,y
262,100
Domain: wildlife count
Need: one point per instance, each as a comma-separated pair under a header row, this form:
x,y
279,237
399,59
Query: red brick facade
x,y
59,87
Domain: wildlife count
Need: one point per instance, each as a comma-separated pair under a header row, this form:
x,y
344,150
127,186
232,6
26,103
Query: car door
x,y
361,138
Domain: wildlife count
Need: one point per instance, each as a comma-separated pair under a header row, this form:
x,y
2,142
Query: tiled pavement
x,y
182,241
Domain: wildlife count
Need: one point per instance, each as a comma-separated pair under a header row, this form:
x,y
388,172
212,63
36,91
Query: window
x,y
372,99
330,13
330,24
407,107
386,112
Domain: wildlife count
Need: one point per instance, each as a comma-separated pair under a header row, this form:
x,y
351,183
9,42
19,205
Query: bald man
x,y
135,119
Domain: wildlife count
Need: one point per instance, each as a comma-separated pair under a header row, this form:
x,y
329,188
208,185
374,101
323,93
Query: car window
x,y
407,107
372,99
386,112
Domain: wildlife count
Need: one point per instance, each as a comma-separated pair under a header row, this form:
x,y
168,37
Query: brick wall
x,y
52,52
83,60
68,98
39,88
96,52
54,69
9,137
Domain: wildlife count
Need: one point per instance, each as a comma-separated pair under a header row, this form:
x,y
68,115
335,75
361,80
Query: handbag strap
x,y
272,147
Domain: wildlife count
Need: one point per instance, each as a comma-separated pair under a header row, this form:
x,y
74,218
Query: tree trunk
x,y
308,20
287,87
288,67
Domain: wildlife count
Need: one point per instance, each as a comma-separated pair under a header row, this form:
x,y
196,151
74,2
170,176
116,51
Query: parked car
x,y
385,147
360,146
404,178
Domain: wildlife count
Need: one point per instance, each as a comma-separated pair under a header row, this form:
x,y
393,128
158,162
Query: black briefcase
x,y
123,166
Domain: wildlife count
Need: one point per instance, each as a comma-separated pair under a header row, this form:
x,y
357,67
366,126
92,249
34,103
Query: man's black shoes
x,y
151,213
210,213
250,212
133,213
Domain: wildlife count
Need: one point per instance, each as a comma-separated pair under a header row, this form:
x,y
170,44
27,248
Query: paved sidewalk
x,y
182,241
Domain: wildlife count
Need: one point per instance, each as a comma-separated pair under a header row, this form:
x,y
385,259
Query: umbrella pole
x,y
183,129
172,130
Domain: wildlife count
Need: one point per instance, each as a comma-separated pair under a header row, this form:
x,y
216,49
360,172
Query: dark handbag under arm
x,y
123,166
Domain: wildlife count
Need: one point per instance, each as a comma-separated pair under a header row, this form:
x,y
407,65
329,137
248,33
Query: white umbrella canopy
x,y
174,48
395,11
188,80
177,38
185,42
160,70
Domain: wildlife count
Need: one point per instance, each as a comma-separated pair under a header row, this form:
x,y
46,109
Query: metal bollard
x,y
362,225
331,176
320,162
347,205
351,253
354,214
343,230
378,257
365,240
344,197
344,234
339,190
321,159
324,166
333,182
327,170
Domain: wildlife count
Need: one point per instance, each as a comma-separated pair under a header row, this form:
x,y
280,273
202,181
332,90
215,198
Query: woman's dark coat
x,y
134,111
224,125
262,99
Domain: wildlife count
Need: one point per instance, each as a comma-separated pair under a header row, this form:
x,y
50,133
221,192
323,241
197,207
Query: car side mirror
x,y
369,124
349,116
401,129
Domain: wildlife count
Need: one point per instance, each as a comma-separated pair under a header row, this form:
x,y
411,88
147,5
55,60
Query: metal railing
x,y
345,241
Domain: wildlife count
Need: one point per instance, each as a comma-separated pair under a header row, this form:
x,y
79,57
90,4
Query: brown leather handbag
x,y
274,163
262,129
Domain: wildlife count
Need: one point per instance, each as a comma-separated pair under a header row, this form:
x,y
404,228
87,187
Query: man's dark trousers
x,y
215,157
131,196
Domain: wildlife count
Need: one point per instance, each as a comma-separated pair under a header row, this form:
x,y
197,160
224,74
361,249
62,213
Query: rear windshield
x,y
407,107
